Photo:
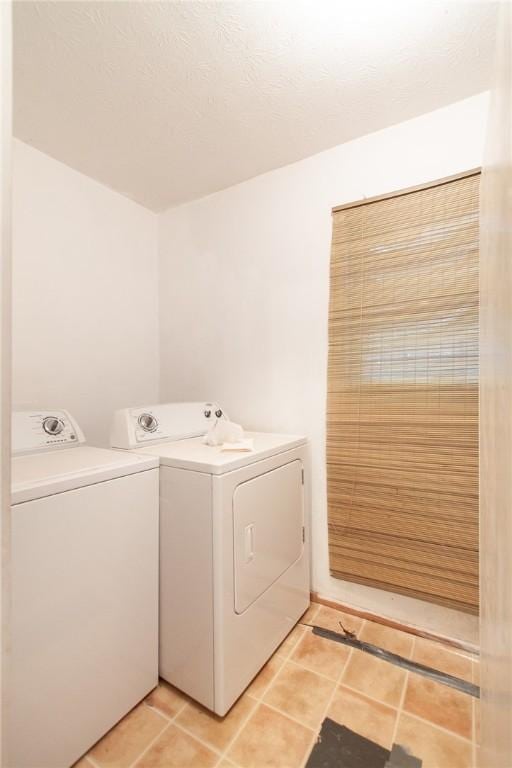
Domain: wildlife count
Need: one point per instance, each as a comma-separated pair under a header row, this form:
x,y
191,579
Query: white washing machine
x,y
234,557
84,612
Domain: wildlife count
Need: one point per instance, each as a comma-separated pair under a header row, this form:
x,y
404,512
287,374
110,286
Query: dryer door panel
x,y
268,519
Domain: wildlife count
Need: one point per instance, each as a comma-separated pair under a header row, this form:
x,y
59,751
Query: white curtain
x,y
496,414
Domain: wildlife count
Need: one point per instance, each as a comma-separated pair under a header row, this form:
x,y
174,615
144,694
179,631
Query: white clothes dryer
x,y
84,590
234,555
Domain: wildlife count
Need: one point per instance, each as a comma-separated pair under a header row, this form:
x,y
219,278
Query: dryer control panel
x,y
44,430
132,427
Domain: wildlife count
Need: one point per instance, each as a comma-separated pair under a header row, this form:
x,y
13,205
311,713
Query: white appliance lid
x,y
194,454
136,427
44,474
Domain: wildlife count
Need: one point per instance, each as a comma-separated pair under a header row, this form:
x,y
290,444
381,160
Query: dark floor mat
x,y
339,747
401,758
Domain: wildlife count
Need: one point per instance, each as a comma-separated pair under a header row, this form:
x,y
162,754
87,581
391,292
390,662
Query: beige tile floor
x,y
276,721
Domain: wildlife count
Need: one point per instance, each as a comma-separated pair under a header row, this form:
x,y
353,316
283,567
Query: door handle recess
x,y
249,542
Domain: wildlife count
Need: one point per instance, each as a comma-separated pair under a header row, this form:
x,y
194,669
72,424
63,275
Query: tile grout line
x,y
286,714
402,698
367,696
164,714
203,743
260,696
313,671
90,760
173,721
259,700
151,743
400,710
170,721
286,659
439,727
435,725
339,681
238,731
275,654
228,760
219,753
88,757
329,702
292,649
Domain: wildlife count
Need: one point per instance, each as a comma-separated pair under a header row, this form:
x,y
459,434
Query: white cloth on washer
x,y
245,445
224,431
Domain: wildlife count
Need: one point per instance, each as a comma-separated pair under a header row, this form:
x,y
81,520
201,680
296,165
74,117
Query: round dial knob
x,y
148,422
52,425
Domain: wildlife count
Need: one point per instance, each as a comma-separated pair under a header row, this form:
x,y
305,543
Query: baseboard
x,y
412,630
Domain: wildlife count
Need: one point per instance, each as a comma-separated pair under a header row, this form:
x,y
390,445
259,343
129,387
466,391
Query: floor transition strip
x,y
399,661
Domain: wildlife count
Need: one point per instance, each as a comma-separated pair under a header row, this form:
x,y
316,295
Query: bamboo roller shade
x,y
402,413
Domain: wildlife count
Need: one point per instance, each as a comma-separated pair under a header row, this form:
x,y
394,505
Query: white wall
x,y
5,345
244,285
243,297
85,307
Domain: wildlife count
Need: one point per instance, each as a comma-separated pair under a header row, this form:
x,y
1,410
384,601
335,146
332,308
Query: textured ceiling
x,y
169,101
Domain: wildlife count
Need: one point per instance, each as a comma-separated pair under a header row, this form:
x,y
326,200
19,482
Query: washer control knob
x,y
218,413
147,422
52,425
207,413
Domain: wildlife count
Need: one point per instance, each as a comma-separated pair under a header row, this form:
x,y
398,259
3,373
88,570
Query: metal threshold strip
x,y
399,661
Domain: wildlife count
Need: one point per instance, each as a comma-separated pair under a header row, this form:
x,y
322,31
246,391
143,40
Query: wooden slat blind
x,y
402,413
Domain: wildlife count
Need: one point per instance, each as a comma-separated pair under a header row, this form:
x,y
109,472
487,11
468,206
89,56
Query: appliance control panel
x,y
132,427
44,430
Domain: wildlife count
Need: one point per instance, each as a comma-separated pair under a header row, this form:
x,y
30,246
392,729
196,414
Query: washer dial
x,y
52,425
147,422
